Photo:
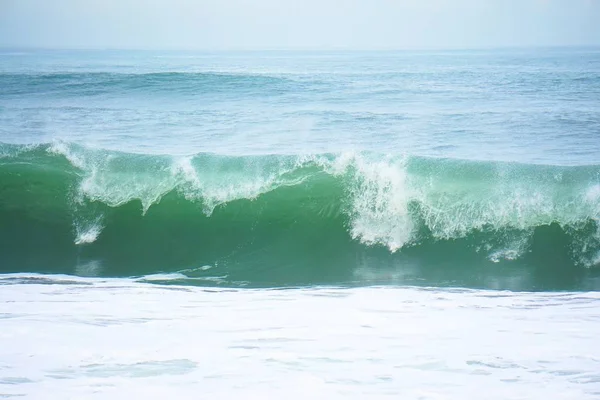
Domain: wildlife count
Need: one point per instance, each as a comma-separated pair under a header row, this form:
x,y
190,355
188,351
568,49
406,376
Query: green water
x,y
346,219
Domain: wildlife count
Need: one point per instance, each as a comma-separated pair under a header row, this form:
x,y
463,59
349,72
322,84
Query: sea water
x,y
302,224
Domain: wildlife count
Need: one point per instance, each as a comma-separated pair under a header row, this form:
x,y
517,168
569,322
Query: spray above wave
x,y
379,195
116,179
209,209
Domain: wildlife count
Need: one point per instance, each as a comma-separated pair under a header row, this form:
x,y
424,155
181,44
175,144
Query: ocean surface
x,y
410,224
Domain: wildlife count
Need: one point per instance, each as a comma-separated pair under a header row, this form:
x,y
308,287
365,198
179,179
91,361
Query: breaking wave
x,y
291,219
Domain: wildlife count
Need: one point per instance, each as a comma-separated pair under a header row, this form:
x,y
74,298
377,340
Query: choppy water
x,y
150,174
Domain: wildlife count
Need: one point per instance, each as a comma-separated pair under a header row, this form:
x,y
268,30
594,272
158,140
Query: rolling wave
x,y
292,220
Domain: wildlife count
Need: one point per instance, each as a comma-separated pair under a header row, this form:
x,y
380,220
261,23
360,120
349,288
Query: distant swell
x,y
287,220
102,83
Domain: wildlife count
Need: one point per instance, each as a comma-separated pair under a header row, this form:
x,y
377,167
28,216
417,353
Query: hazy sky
x,y
256,24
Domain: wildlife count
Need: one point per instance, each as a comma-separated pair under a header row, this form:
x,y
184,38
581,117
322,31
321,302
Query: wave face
x,y
352,218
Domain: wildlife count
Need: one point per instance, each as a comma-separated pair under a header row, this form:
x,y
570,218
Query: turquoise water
x,y
368,183
464,168
531,105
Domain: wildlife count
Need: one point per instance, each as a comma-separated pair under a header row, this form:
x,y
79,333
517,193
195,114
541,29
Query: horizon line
x,y
298,49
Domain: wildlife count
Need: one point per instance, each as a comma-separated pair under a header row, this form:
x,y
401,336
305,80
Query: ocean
x,y
407,224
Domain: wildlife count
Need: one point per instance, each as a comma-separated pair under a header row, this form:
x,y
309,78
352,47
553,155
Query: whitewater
x,y
414,224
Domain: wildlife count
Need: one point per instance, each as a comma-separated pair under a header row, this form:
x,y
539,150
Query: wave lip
x,y
209,209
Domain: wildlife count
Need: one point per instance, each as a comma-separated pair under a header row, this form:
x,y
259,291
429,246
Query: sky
x,y
298,24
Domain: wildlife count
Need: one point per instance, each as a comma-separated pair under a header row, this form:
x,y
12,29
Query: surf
x,y
276,220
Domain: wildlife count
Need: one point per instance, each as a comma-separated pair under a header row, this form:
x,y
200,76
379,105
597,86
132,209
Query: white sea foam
x,y
121,339
215,183
380,200
88,231
61,148
513,250
385,193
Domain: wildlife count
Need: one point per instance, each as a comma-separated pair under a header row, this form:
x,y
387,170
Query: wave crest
x,y
399,203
